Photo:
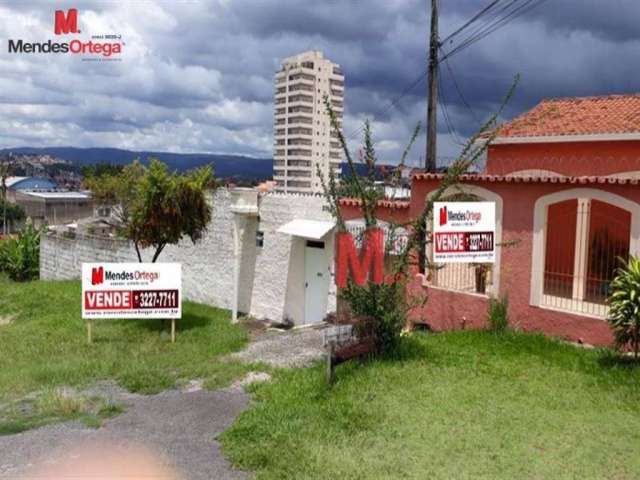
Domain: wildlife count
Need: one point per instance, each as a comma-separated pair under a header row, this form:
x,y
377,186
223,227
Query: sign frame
x,y
464,232
131,291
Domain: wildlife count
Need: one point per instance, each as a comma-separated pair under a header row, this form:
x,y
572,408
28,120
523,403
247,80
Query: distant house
x,y
54,207
15,184
45,203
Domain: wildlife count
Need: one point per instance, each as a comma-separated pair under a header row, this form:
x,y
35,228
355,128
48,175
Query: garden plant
x,y
624,306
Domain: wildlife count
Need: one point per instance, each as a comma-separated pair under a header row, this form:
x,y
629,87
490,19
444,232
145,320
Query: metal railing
x,y
586,241
463,277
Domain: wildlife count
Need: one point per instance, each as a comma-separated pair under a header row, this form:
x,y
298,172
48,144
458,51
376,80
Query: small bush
x,y
20,257
624,303
385,306
498,314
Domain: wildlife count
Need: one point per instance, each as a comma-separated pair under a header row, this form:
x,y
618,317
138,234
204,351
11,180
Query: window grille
x,y
586,241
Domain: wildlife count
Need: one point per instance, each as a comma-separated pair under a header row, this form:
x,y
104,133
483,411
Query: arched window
x,y
580,238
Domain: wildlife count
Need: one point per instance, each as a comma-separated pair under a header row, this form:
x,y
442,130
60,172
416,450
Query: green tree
x,y
10,212
100,169
118,190
624,306
156,207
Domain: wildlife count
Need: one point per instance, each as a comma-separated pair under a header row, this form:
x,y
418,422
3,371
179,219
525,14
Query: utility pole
x,y
432,112
432,91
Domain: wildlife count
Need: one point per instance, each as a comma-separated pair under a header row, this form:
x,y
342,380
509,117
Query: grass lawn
x,y
44,347
456,405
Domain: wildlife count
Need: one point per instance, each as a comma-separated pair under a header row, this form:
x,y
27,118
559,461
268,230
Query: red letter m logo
x,y
371,258
66,23
443,215
97,276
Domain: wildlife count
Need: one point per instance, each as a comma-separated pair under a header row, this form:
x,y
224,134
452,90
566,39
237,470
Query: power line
x,y
459,90
447,117
394,102
476,35
498,23
482,30
425,73
471,21
496,16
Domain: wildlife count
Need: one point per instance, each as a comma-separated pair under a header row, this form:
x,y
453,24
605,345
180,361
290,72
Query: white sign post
x,y
464,232
131,290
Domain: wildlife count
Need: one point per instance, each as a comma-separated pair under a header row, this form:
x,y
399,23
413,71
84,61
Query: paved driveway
x,y
170,436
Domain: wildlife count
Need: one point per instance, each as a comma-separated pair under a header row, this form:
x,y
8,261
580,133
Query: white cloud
x,y
197,76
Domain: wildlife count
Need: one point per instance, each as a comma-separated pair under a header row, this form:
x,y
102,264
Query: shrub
x,y
624,303
498,314
15,214
20,257
385,306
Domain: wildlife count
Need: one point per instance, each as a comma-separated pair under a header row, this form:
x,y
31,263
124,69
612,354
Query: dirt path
x,y
171,435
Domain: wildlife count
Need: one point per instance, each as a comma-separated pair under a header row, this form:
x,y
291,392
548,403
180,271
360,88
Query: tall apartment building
x,y
303,136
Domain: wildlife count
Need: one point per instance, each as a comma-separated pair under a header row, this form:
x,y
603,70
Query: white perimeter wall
x,y
271,277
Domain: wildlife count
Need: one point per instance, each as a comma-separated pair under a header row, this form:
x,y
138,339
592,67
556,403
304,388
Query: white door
x,y
316,275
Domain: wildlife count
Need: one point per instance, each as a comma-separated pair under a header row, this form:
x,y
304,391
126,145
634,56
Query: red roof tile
x,y
613,114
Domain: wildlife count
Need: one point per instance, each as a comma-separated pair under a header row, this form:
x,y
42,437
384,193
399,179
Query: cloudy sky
x,y
197,76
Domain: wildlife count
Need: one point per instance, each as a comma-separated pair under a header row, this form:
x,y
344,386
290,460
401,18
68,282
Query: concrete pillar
x,y
239,222
581,260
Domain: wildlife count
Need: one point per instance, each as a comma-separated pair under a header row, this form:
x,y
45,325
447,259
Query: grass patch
x,y
453,405
54,405
45,346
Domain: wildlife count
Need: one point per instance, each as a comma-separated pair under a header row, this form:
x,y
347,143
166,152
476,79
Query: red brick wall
x,y
571,158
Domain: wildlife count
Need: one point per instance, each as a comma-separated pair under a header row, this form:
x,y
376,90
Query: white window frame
x,y
538,253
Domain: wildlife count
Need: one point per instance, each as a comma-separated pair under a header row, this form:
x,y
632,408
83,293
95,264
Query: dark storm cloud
x,y
198,75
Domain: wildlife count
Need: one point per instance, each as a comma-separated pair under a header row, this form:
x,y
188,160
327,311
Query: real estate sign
x,y
464,232
131,290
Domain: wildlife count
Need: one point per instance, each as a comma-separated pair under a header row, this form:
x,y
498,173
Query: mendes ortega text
x,y
131,290
464,232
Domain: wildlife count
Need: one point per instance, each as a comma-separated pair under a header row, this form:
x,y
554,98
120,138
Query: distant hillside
x,y
237,166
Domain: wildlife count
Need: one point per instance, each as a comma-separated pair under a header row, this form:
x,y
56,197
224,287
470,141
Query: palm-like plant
x,y
624,302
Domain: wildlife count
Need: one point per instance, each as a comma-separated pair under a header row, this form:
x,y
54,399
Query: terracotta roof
x,y
354,202
533,179
612,114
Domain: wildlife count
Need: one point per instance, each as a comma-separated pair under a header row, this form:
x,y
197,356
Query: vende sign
x,y
131,290
464,232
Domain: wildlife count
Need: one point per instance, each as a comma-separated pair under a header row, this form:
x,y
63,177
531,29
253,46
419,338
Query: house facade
x,y
565,178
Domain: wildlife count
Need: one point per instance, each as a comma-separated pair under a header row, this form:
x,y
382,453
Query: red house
x,y
565,178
